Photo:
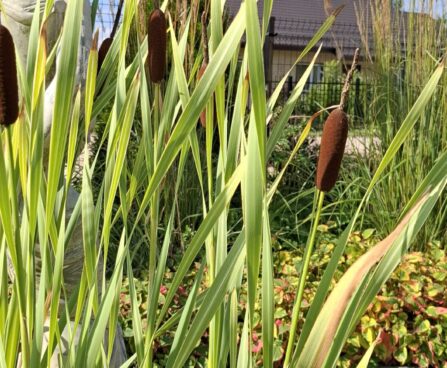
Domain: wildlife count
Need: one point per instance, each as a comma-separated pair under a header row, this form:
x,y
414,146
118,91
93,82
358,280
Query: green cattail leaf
x,y
364,363
289,106
12,334
254,183
268,297
237,121
202,233
90,84
72,140
98,329
120,147
39,71
65,78
244,356
136,316
212,301
2,354
186,317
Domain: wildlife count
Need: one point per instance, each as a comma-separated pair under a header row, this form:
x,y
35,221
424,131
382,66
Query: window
x,y
316,74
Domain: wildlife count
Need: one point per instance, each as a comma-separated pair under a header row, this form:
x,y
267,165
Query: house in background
x,y
295,22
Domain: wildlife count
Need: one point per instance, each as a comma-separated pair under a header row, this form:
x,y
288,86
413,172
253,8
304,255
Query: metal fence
x,y
105,16
319,95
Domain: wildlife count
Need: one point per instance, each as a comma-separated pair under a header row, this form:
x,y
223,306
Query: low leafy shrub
x,y
410,313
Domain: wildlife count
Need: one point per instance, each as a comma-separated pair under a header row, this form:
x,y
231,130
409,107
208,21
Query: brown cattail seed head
x,y
9,92
103,50
199,76
332,147
157,45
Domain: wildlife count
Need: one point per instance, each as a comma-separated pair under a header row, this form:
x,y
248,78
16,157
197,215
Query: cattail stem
x,y
154,219
347,85
205,39
316,211
203,114
117,18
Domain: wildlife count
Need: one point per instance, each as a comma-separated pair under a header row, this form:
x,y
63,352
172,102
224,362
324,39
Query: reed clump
x,y
157,45
9,91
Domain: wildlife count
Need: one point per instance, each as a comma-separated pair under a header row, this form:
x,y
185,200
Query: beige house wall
x,y
284,59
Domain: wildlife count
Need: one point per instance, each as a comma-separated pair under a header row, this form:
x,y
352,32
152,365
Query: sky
x,y
440,6
104,18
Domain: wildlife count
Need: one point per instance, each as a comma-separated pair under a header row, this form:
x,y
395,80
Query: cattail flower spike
x,y
157,45
333,139
9,90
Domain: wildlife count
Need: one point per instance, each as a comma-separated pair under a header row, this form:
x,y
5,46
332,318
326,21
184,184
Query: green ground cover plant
x,y
409,314
42,216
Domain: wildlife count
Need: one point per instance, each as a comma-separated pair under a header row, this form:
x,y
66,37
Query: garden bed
x,y
410,313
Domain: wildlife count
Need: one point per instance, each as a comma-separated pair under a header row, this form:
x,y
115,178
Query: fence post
x,y
289,85
268,55
357,109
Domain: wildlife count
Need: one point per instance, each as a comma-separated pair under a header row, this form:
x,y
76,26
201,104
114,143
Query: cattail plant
x,y
9,93
157,45
333,141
